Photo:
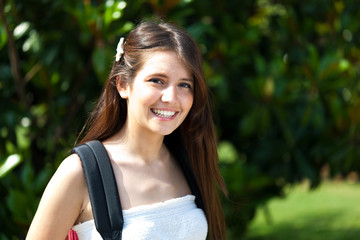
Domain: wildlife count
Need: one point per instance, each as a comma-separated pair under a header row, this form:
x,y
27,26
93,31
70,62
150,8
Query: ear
x,y
122,88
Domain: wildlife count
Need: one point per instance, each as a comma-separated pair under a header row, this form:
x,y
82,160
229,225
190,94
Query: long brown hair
x,y
197,132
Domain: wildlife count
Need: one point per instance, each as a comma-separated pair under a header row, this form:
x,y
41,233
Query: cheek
x,y
188,102
143,95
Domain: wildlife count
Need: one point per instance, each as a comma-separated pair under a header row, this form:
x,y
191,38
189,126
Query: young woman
x,y
154,101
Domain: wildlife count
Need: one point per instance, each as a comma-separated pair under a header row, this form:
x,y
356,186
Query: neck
x,y
142,144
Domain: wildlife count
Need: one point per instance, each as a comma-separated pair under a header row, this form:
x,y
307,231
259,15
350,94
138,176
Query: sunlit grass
x,y
330,212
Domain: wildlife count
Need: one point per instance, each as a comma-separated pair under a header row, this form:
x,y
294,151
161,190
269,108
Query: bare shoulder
x,y
71,167
61,203
69,178
69,175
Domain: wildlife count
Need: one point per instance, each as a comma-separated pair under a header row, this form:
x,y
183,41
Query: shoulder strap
x,y
103,192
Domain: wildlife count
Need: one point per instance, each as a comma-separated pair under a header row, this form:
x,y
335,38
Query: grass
x,y
330,212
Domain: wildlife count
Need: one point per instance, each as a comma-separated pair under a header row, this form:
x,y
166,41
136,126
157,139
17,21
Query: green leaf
x,y
17,202
101,61
10,163
21,29
3,36
23,140
227,152
28,177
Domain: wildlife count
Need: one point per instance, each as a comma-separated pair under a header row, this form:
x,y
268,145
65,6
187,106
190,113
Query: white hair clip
x,y
119,49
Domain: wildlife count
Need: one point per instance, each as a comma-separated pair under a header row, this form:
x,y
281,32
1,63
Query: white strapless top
x,y
177,218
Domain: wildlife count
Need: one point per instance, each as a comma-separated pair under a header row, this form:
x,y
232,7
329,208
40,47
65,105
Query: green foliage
x,y
283,75
20,192
288,96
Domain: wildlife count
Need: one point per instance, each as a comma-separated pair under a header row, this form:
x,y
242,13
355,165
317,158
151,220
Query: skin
x,y
137,152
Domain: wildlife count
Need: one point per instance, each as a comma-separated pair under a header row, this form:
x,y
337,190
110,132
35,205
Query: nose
x,y
168,94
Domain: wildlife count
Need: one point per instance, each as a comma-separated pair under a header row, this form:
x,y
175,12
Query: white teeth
x,y
165,114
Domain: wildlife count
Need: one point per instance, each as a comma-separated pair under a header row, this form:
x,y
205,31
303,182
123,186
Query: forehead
x,y
165,62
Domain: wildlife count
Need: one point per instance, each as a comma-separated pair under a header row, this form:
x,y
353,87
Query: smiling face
x,y
160,96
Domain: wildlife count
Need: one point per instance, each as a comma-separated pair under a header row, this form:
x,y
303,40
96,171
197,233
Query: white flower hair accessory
x,y
119,49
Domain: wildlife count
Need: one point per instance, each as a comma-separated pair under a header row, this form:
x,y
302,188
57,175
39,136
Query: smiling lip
x,y
164,113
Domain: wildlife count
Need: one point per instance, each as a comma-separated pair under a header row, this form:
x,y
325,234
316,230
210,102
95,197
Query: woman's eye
x,y
186,85
155,80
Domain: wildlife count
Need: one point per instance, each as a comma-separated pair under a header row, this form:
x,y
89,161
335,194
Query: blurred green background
x,y
285,82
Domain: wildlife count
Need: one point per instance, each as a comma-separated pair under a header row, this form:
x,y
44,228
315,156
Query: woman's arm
x,y
61,203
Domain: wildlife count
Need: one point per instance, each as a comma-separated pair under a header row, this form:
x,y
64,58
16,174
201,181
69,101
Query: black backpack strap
x,y
102,187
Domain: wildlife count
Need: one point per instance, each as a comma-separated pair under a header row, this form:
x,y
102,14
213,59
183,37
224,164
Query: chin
x,y
163,129
165,132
